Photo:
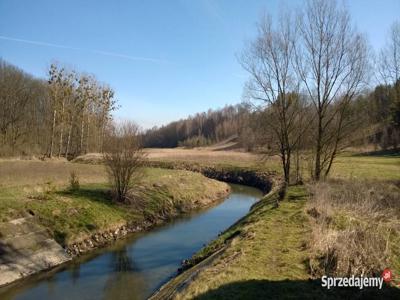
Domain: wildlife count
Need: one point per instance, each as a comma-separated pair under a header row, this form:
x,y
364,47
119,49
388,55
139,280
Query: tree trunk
x,y
102,138
82,133
69,139
52,134
87,135
317,171
298,176
61,129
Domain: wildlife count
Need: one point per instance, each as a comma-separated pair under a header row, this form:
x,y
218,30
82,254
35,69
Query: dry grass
x,y
349,165
356,227
207,156
28,173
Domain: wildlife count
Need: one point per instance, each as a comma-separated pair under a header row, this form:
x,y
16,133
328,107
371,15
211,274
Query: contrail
x,y
100,52
156,60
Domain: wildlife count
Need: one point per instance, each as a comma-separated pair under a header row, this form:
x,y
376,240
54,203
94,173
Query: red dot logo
x,y
387,275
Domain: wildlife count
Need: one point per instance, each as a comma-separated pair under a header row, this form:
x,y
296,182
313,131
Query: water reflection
x,y
121,260
135,267
75,272
125,275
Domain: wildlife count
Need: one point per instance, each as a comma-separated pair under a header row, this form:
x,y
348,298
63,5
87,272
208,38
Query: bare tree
x,y
53,96
389,57
123,157
17,90
273,81
331,61
389,71
57,117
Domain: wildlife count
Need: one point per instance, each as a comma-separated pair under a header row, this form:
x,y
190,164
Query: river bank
x,y
86,219
265,255
133,267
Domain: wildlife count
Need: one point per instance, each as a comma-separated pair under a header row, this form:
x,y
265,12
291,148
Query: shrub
x,y
123,158
73,181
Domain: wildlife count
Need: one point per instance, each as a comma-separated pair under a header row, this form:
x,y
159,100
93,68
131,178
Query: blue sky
x,y
165,59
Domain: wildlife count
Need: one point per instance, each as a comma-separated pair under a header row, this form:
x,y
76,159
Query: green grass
x,y
265,256
356,166
348,165
73,215
267,245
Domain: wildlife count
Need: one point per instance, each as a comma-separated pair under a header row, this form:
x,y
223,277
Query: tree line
x,y
201,129
65,115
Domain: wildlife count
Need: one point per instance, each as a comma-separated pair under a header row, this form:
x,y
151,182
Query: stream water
x,y
135,267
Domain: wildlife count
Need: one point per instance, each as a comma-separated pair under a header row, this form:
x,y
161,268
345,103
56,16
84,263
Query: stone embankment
x,y
27,248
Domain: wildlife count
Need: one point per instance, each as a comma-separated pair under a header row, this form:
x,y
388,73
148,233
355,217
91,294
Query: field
x,y
348,165
206,156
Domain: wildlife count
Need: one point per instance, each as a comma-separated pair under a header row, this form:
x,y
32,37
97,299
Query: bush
x,y
123,158
73,181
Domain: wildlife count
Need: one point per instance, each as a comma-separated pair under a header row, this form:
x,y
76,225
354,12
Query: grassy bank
x,y
72,216
267,255
346,226
259,254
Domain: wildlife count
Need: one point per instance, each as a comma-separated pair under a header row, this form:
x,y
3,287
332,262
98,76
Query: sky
x,y
165,59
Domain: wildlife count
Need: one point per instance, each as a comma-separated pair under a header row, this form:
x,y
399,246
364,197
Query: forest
x,y
63,116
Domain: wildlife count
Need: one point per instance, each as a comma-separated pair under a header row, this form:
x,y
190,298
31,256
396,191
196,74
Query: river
x,y
135,267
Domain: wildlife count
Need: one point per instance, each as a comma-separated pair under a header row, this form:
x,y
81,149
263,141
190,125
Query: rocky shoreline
x,y
105,238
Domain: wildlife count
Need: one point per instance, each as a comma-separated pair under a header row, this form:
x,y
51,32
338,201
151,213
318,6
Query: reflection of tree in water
x,y
75,272
121,260
126,282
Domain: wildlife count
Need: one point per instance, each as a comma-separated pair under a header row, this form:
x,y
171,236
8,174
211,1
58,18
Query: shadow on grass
x,y
99,194
294,289
296,197
388,153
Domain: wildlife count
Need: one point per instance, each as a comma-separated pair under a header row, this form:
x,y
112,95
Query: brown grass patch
x,y
356,226
19,172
